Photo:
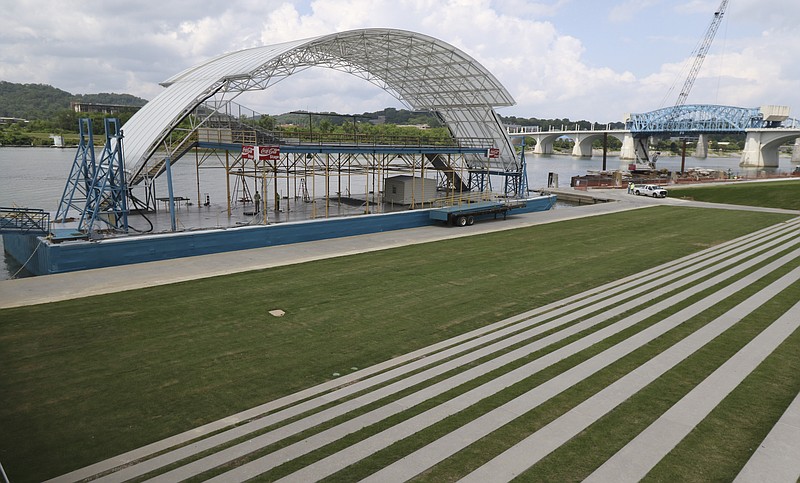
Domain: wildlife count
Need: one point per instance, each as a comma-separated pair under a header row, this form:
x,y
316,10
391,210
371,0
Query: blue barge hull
x,y
45,257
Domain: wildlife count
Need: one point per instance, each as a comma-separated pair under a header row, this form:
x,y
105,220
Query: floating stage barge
x,y
306,187
66,251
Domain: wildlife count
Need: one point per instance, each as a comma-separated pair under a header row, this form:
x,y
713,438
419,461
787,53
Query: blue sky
x,y
580,59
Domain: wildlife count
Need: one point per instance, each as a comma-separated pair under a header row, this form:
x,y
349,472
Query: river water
x,y
35,178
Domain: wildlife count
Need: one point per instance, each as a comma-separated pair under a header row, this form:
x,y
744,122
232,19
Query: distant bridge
x,y
767,128
708,119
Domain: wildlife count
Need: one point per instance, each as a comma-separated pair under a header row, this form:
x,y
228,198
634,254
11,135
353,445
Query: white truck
x,y
650,190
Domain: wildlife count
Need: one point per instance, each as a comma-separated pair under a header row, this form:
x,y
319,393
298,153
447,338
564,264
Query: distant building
x,y
103,108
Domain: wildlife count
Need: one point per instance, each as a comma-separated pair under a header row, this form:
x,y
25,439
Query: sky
x,y
579,59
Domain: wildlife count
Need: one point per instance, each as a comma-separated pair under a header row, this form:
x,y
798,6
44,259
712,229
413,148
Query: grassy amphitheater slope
x,y
88,379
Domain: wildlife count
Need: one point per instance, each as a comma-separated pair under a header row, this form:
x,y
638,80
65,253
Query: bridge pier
x,y
543,147
796,151
583,144
634,147
701,151
761,146
544,142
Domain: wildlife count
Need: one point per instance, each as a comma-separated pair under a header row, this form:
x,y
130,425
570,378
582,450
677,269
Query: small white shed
x,y
404,189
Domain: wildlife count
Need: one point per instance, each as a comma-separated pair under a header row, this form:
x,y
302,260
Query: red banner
x,y
494,152
269,153
248,152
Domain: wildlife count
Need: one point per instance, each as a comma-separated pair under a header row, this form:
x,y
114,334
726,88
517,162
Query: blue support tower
x,y
107,199
81,175
516,183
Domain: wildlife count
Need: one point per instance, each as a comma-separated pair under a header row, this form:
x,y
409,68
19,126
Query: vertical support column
x,y
422,169
168,165
197,173
275,187
523,169
796,151
701,152
605,149
228,180
366,186
628,150
683,156
313,188
327,187
264,218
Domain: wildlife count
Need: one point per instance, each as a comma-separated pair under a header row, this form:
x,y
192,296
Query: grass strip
x,y
773,194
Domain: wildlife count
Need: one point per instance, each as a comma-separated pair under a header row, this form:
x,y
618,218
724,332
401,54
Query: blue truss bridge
x,y
708,119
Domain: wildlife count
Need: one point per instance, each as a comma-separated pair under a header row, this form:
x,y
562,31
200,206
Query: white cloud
x,y
129,47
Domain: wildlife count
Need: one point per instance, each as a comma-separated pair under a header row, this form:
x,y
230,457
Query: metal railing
x,y
24,220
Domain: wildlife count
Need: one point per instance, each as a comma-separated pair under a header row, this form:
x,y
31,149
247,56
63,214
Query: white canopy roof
x,y
421,71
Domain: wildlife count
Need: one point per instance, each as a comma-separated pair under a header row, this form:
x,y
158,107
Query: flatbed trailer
x,y
463,215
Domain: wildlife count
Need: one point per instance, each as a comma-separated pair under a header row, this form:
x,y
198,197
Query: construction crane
x,y
705,45
701,55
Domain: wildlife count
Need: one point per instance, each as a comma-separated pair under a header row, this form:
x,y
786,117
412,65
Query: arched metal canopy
x,y
422,72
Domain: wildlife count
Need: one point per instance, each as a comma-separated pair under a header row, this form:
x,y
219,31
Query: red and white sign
x,y
493,152
248,152
269,153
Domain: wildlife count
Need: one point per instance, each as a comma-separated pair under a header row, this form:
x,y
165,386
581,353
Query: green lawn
x,y
773,194
86,379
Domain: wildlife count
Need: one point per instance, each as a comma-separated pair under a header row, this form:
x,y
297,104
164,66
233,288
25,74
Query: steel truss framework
x,y
333,175
97,191
422,72
696,119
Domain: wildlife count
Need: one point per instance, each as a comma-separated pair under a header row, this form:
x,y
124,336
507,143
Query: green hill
x,y
41,101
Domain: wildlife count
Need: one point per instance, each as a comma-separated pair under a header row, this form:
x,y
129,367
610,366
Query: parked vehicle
x,y
650,190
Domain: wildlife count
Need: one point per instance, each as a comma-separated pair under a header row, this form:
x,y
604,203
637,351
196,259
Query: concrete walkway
x,y
635,297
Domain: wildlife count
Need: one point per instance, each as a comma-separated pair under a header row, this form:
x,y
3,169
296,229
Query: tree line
x,y
47,111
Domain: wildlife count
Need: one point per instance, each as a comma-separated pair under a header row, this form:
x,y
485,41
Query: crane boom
x,y
701,54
